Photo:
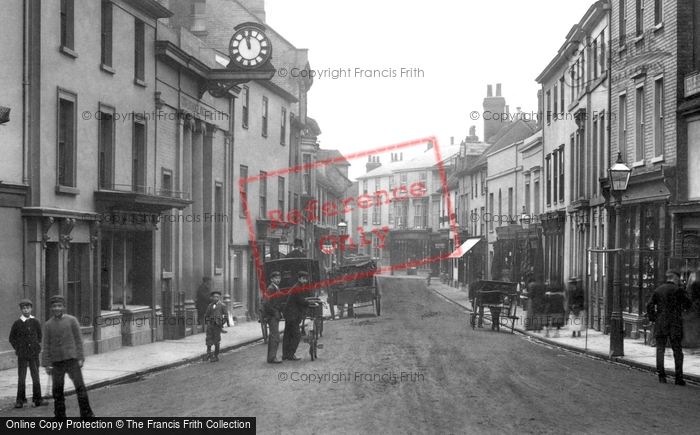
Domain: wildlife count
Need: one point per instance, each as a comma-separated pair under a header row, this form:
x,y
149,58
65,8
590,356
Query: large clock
x,y
250,47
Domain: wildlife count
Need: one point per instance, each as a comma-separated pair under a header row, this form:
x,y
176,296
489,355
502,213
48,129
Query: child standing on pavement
x,y
215,317
25,338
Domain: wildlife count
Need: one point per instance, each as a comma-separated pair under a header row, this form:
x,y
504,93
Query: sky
x,y
453,49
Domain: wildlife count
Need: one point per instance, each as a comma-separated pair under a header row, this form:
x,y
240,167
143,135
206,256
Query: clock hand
x,y
247,40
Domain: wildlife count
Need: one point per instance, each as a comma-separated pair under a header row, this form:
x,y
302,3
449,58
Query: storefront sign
x,y
692,84
691,246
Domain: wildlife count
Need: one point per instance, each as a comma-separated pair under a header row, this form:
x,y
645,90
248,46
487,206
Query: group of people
x,y
665,310
291,304
62,345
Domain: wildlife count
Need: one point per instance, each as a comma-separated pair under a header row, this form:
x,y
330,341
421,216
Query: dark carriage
x,y
289,268
500,299
355,286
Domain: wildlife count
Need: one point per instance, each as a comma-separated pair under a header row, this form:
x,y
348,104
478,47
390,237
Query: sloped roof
x,y
384,170
508,135
427,159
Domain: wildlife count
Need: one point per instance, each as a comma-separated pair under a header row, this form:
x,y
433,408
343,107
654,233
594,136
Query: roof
x,y
510,133
385,169
427,160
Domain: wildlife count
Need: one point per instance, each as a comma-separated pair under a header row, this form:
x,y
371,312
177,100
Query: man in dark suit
x,y
271,315
665,308
293,315
296,252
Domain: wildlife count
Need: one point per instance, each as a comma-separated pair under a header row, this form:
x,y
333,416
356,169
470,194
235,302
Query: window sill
x,y
68,52
264,135
638,164
140,82
658,159
639,38
108,69
67,190
659,26
622,49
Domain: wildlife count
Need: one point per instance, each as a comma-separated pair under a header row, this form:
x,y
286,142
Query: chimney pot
x,y
498,89
401,158
472,130
489,91
452,140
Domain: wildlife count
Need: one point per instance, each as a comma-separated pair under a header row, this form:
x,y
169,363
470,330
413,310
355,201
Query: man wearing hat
x,y
474,287
25,338
215,317
293,314
63,354
296,251
665,308
271,315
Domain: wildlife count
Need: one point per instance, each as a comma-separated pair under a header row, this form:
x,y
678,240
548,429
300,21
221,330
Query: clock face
x,y
249,47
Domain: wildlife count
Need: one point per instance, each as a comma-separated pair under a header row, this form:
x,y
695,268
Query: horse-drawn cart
x,y
500,298
356,287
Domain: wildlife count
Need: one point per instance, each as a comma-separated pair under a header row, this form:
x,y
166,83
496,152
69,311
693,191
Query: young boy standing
x,y
215,317
63,353
25,338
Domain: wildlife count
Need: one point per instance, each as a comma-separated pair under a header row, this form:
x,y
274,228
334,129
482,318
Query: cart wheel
x,y
263,327
472,320
379,306
320,327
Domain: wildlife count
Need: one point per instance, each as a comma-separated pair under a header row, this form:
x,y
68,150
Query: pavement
x,y
132,362
637,354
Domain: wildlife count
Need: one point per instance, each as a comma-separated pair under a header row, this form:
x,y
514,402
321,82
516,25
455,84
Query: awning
x,y
466,247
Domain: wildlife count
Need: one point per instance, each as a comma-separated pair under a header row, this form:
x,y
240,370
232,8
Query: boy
x,y
215,317
63,353
25,338
271,315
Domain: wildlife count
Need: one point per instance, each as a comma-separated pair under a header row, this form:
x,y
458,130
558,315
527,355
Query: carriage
x,y
500,299
354,286
288,268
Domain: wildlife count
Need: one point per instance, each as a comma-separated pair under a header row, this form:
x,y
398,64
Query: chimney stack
x,y
472,135
489,91
493,105
372,164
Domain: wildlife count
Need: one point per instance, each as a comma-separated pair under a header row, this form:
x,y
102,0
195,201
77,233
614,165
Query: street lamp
x,y
619,175
342,228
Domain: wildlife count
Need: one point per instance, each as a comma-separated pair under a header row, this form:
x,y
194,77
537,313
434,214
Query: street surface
x,y
419,368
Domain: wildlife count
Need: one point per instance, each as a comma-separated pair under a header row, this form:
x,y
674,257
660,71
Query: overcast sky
x,y
460,46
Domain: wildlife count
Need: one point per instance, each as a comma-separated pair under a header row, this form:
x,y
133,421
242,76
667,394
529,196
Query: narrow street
x,y
419,368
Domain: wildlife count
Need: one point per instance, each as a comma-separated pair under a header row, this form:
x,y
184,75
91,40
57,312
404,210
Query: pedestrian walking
x,y
665,308
25,338
271,315
215,317
474,288
203,299
63,354
293,312
577,300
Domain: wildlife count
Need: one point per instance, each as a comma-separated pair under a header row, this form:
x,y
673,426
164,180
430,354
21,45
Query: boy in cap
x,y
215,317
25,338
271,315
63,353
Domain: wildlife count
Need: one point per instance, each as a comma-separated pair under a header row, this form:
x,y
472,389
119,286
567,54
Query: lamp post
x,y
619,175
342,230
